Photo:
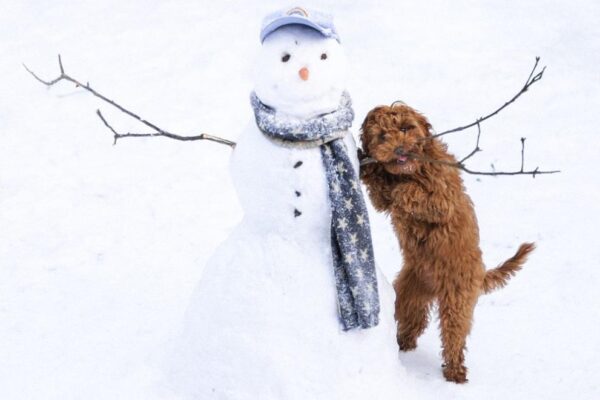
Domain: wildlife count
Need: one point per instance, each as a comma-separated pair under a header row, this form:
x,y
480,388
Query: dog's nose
x,y
399,151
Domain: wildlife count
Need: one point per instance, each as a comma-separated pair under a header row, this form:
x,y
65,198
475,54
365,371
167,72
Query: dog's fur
x,y
437,229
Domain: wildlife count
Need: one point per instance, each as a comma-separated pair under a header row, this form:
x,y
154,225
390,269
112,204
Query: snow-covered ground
x,y
101,245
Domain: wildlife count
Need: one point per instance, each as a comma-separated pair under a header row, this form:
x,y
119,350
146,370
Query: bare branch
x,y
47,83
530,81
203,136
476,149
158,131
366,161
460,164
462,167
522,153
533,173
62,70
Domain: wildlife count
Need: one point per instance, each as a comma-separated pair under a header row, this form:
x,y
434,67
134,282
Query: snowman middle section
x,y
283,189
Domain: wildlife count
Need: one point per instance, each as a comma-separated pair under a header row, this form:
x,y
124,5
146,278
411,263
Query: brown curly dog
x,y
437,229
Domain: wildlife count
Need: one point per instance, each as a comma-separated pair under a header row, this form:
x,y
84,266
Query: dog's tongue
x,y
402,159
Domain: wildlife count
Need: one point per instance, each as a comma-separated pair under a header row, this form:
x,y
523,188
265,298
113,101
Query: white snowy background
x,y
101,245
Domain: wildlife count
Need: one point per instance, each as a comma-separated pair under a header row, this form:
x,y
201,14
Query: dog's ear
x,y
369,171
424,122
365,136
434,148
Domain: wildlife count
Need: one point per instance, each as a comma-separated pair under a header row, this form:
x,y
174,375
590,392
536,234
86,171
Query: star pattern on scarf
x,y
341,168
348,204
364,255
336,187
360,219
356,276
351,243
342,223
359,275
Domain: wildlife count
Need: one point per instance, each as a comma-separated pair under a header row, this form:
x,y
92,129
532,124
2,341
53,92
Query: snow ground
x,y
101,246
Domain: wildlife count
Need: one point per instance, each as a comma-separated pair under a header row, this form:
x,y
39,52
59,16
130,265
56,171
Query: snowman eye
x,y
324,56
285,57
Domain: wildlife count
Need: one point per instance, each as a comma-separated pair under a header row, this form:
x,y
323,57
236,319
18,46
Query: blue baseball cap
x,y
321,22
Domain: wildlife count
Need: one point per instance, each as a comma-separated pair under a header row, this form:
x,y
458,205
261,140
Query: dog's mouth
x,y
401,159
401,163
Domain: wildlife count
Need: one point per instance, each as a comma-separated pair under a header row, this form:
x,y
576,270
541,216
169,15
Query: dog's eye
x,y
407,128
285,57
324,56
383,136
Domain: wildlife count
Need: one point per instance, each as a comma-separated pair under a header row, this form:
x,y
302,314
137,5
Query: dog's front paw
x,y
409,196
406,343
456,374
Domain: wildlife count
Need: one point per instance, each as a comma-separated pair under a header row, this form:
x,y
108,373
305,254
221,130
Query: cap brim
x,y
292,20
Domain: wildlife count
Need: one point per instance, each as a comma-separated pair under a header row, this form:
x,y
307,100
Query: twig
x,y
463,167
117,136
476,149
460,164
530,81
203,136
522,153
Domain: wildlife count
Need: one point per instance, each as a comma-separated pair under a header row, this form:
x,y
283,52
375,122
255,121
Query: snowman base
x,y
263,332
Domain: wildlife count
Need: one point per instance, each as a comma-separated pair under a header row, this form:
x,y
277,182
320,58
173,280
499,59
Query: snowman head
x,y
301,68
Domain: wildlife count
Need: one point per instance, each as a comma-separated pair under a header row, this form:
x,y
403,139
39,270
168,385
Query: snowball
x,y
279,85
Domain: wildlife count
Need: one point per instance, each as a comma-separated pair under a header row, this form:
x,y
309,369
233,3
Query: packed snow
x,y
278,83
263,322
101,246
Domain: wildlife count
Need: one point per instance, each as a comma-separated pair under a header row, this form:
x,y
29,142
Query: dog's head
x,y
396,137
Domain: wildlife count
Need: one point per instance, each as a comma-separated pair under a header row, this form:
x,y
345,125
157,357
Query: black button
x,y
298,193
297,213
299,163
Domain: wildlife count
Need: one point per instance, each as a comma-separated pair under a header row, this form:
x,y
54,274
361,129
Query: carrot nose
x,y
303,73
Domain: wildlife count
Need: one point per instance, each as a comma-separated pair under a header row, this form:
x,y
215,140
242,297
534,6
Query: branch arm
x,y
159,131
532,79
202,136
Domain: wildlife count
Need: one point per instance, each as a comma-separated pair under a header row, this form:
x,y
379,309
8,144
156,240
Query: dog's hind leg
x,y
413,303
456,314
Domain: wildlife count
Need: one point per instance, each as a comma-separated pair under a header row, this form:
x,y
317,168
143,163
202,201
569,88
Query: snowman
x,y
291,305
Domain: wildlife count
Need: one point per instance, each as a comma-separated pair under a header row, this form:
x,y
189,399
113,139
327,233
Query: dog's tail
x,y
498,277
